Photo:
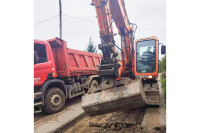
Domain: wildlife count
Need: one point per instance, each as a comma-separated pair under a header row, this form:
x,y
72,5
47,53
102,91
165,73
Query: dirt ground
x,y
155,116
43,117
142,120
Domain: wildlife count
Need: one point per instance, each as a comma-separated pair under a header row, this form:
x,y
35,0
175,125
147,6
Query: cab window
x,y
40,55
146,56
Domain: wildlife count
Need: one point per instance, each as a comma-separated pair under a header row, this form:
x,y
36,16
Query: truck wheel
x,y
93,85
54,100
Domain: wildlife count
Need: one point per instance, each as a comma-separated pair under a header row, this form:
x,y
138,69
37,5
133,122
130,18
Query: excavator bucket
x,y
152,94
128,96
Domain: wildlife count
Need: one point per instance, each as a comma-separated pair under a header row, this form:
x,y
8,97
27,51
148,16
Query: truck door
x,y
44,66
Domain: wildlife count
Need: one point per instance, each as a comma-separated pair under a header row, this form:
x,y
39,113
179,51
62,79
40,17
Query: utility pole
x,y
60,17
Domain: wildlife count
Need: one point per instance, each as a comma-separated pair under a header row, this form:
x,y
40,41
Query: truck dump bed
x,y
71,62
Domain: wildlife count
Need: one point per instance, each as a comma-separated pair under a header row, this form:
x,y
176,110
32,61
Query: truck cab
x,y
44,65
61,73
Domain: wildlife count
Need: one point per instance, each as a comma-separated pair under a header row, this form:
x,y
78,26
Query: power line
x,y
79,18
150,29
87,21
46,20
96,22
66,16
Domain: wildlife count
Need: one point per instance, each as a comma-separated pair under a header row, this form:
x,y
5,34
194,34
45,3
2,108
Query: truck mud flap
x,y
125,97
37,107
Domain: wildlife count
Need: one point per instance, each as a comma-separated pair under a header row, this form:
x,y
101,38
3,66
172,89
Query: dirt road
x,y
140,120
87,124
45,123
40,117
156,116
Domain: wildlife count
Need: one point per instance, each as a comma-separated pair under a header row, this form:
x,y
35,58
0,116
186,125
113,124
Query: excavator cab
x,y
146,58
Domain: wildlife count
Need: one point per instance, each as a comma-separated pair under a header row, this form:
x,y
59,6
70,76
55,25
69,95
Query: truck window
x,y
40,55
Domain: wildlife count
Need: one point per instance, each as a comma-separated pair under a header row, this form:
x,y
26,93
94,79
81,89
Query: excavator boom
x,y
109,11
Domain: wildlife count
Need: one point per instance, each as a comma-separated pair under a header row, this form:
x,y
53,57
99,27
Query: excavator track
x,y
129,96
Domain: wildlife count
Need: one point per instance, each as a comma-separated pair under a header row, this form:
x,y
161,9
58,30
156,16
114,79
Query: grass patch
x,y
163,83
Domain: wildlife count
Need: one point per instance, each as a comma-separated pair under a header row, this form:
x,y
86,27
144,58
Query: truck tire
x,y
54,100
94,83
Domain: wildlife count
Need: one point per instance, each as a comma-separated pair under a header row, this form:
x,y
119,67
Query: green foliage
x,y
91,47
162,65
162,68
163,83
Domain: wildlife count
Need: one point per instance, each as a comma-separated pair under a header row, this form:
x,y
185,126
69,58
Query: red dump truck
x,y
61,73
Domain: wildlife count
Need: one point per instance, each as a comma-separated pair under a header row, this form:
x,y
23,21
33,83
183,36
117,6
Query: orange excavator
x,y
130,82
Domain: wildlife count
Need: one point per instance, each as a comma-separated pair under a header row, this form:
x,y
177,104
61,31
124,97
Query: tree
x,y
91,47
162,68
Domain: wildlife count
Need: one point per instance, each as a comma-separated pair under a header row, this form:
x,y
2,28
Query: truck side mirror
x,y
163,49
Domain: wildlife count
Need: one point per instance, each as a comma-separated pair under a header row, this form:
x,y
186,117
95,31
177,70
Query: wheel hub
x,y
55,100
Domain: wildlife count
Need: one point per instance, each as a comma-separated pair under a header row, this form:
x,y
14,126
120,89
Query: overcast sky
x,y
149,15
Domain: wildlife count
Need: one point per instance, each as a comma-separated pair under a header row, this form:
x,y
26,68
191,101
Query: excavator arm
x,y
105,29
125,30
109,11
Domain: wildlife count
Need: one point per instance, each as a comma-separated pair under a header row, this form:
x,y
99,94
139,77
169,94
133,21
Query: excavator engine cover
x,y
128,96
